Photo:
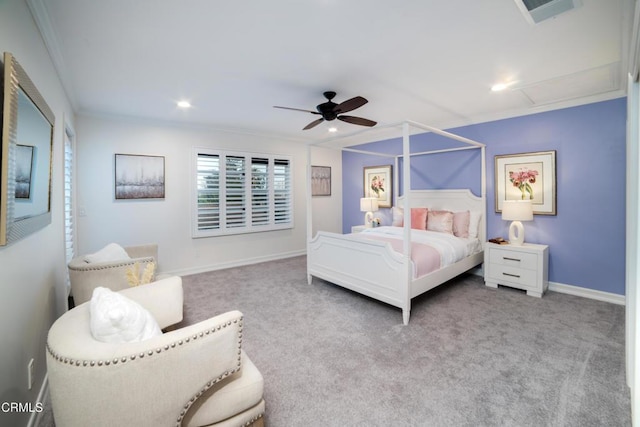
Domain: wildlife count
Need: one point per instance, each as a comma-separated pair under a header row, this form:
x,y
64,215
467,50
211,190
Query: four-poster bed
x,y
372,266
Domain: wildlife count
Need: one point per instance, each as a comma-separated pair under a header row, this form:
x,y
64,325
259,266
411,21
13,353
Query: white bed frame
x,y
372,267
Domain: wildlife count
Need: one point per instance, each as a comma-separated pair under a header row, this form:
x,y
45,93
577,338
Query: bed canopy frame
x,y
408,129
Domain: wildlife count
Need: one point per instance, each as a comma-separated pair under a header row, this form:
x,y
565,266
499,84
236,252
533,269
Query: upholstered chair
x,y
85,276
196,375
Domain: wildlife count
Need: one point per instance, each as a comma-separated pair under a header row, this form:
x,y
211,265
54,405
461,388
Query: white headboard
x,y
450,200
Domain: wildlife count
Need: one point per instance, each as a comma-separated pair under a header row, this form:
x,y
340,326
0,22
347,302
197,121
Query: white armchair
x,y
85,277
194,376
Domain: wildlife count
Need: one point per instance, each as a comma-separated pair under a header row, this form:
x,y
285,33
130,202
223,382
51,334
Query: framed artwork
x,y
527,176
378,182
24,171
139,177
320,180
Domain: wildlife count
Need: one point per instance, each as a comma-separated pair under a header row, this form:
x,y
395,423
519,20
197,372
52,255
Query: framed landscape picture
x,y
139,177
320,180
527,176
378,183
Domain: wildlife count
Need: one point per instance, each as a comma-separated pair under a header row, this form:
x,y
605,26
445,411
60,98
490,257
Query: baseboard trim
x,y
587,293
238,263
36,417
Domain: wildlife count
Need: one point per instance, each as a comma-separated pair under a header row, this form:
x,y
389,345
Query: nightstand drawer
x,y
513,258
505,274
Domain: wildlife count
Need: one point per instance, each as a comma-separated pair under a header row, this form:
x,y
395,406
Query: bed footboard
x,y
368,267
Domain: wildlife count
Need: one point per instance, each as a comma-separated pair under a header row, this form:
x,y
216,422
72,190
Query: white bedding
x,y
450,247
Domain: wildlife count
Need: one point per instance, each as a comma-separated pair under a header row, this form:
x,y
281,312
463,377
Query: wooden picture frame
x,y
378,183
138,177
320,180
529,176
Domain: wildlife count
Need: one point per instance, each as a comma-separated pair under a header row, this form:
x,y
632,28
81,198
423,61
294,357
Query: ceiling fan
x,y
330,111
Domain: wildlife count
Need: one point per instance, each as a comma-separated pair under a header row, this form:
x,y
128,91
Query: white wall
x,y
32,270
167,222
327,210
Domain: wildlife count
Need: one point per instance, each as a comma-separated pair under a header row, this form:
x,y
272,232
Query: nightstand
x,y
523,267
357,228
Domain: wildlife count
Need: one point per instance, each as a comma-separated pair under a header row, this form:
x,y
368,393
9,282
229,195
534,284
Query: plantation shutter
x,y
282,191
259,191
69,226
208,205
235,212
241,193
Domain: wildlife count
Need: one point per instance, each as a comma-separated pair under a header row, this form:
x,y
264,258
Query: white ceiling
x,y
431,61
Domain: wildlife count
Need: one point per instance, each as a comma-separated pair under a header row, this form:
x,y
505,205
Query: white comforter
x,y
450,247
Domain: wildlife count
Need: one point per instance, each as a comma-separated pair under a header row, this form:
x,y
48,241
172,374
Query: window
x,y
241,193
69,226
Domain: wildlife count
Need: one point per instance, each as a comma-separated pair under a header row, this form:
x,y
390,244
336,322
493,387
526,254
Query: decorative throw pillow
x,y
117,319
461,224
135,278
474,223
441,221
419,218
398,217
111,252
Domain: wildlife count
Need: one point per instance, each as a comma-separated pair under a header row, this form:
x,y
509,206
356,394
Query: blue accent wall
x,y
587,236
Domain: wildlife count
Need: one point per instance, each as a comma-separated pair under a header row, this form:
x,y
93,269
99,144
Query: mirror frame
x,y
15,78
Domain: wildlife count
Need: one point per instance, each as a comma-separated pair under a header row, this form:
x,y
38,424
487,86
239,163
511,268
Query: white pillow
x,y
111,252
117,319
397,217
474,223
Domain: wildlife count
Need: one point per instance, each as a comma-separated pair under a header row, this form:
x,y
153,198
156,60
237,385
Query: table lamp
x,y
368,205
516,211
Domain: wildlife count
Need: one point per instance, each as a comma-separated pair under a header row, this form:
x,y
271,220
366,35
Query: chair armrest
x,y
85,277
149,383
164,299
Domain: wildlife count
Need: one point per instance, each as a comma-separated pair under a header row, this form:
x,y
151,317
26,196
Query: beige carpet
x,y
471,355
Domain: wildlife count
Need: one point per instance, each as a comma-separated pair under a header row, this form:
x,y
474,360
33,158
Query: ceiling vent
x,y
536,11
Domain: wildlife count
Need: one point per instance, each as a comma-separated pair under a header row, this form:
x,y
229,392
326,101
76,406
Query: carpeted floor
x,y
470,356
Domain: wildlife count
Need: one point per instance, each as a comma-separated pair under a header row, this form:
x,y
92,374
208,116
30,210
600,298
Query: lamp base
x,y
368,218
516,233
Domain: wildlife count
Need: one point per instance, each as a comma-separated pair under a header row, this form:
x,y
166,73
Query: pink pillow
x,y
419,218
441,221
461,224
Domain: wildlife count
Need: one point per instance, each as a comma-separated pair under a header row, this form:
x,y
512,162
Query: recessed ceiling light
x,y
184,104
503,85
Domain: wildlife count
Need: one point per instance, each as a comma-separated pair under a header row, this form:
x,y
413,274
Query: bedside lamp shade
x,y
368,205
516,211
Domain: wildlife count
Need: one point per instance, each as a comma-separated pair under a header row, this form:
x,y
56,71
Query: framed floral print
x,y
527,176
378,183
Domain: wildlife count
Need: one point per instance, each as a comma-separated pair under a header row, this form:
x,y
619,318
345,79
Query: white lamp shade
x,y
517,210
368,204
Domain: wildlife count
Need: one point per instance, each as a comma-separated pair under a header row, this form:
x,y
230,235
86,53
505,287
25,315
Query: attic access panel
x,y
536,11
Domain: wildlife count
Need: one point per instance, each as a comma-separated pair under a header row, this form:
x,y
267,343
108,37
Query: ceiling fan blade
x,y
349,105
313,124
296,109
357,121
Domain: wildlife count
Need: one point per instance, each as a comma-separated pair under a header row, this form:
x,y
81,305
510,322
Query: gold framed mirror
x,y
27,154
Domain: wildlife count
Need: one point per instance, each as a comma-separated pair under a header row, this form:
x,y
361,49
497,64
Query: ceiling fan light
x,y
184,104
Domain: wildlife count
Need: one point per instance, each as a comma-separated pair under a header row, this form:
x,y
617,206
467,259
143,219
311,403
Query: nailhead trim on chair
x,y
253,420
123,359
90,267
211,382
